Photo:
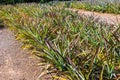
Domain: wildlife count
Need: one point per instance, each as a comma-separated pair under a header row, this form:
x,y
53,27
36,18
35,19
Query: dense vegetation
x,y
25,1
21,1
98,7
72,46
104,8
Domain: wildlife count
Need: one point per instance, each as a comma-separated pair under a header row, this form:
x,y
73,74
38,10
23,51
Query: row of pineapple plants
x,y
97,7
72,46
104,8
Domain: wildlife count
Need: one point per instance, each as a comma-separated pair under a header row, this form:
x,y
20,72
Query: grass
x,y
71,46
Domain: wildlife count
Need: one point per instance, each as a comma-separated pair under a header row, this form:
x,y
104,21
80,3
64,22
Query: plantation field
x,y
97,6
72,46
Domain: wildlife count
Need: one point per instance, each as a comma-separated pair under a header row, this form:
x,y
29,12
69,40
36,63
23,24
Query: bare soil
x,y
113,19
16,63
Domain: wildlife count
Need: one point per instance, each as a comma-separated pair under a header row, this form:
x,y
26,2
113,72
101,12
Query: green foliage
x,y
7,1
21,1
74,47
1,23
104,8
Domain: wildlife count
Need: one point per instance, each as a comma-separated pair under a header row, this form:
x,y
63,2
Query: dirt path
x,y
104,17
15,63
